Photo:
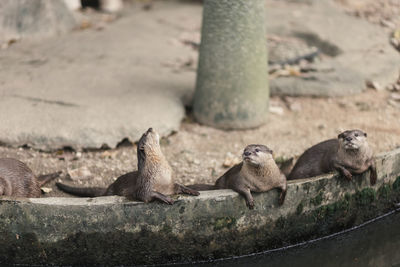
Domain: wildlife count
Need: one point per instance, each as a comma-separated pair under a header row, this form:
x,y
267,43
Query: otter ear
x,y
365,134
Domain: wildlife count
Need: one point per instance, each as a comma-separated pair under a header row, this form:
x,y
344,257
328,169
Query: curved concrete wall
x,y
114,231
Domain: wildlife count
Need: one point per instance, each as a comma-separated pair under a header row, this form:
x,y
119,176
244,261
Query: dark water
x,y
376,243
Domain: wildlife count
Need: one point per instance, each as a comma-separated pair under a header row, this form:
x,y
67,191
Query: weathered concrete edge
x,y
112,230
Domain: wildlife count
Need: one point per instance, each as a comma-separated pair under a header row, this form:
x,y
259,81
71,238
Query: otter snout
x,y
256,154
349,138
352,139
348,142
249,155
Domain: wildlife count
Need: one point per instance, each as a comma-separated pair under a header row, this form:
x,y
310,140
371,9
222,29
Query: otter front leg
x,y
181,189
282,197
343,171
373,175
158,196
247,195
283,192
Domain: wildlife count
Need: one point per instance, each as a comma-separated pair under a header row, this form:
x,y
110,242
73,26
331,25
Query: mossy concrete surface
x,y
114,231
232,78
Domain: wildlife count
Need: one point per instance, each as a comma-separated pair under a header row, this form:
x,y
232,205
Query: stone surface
x,y
34,18
114,231
87,88
232,86
90,88
73,4
354,49
112,5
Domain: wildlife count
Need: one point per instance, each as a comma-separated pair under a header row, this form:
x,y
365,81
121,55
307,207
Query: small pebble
x,y
80,173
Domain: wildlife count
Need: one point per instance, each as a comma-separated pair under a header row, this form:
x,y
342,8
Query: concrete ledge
x,y
114,231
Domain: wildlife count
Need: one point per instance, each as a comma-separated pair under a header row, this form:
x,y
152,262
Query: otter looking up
x,y
152,181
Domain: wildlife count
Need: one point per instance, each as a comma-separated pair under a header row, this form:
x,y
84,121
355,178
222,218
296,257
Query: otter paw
x,y
194,192
169,201
250,204
186,190
348,175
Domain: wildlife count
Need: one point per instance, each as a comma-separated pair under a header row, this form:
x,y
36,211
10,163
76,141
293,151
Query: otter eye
x,y
356,134
257,150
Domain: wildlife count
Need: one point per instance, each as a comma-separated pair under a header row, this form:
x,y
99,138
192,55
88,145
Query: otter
x,y
17,180
348,154
152,181
257,172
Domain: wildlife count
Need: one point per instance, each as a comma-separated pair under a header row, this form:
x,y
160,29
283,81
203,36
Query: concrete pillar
x,y
232,79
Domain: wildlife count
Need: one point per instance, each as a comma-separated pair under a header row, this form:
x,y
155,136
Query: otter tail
x,y
82,191
45,178
202,187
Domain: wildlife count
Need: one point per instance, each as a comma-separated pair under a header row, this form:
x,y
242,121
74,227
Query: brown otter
x,y
17,180
257,172
348,154
152,181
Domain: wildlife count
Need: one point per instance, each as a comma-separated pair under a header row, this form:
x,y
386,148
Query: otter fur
x,y
348,154
257,172
152,181
18,180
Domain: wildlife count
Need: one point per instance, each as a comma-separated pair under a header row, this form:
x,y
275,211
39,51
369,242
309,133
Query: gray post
x,y
232,83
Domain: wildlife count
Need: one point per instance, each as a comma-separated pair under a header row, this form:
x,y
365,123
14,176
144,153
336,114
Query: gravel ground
x,y
383,12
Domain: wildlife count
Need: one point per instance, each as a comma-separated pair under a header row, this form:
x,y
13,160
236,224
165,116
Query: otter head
x,y
256,154
149,144
352,139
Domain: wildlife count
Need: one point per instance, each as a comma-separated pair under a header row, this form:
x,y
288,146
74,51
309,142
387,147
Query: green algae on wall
x,y
317,200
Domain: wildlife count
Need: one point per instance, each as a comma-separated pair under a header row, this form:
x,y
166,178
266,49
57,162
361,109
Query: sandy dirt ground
x,y
200,154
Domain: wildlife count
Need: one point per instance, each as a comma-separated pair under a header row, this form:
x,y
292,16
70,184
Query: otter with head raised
x,y
348,154
152,181
17,180
257,172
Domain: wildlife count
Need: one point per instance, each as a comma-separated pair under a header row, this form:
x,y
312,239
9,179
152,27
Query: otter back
x,y
315,160
16,179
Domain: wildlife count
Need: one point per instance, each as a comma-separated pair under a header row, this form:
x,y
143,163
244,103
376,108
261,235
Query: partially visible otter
x,y
257,172
348,154
152,181
17,180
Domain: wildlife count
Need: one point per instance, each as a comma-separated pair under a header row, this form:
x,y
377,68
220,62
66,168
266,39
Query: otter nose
x,y
349,138
247,153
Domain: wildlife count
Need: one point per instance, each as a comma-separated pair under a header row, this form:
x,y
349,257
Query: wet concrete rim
x,y
218,195
205,195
